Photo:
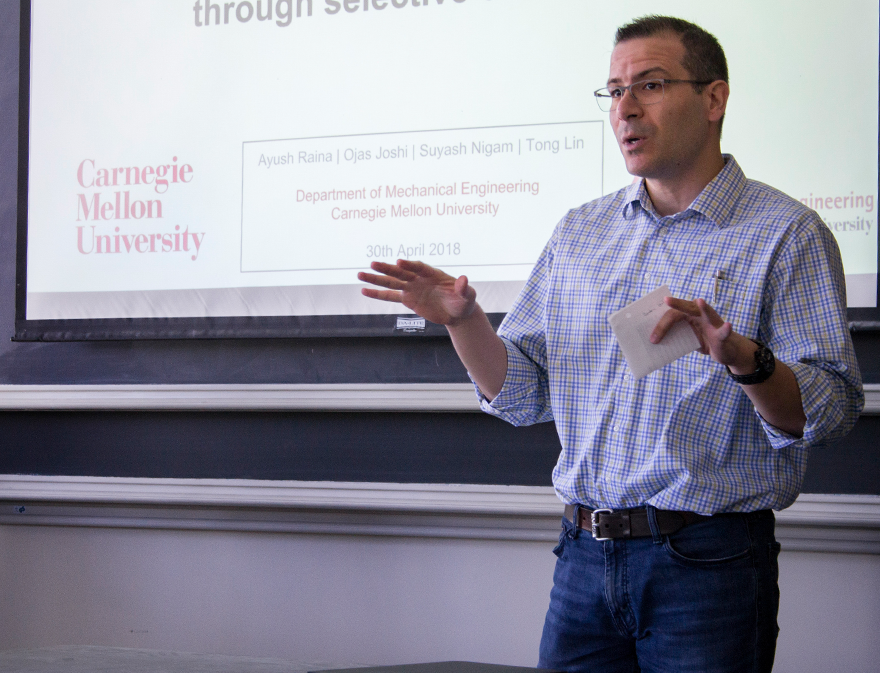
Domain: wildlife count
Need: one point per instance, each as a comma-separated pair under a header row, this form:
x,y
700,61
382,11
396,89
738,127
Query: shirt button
x,y
647,276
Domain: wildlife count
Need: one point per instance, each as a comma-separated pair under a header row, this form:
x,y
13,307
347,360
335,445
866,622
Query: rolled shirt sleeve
x,y
805,318
524,398
831,407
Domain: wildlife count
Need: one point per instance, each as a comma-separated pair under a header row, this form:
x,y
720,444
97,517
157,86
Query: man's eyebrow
x,y
642,75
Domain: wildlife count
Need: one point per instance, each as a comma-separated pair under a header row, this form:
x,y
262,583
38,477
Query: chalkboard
x,y
395,447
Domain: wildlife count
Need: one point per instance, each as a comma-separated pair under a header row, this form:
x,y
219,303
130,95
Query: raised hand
x,y
430,292
716,336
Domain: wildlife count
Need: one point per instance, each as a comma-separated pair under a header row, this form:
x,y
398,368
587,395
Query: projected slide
x,y
192,158
447,197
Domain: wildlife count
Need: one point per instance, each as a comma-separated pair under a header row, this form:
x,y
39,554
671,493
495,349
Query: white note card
x,y
633,324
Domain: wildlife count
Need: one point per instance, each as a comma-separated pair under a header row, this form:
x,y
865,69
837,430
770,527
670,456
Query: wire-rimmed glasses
x,y
644,92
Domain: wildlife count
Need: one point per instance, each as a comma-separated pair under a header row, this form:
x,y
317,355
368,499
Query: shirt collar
x,y
716,202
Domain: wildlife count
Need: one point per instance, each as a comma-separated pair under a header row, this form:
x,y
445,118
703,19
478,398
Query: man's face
x,y
661,141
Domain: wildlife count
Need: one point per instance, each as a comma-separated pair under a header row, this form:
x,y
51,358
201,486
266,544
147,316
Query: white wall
x,y
325,601
829,615
339,600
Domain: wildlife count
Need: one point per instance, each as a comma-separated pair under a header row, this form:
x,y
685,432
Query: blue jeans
x,y
701,600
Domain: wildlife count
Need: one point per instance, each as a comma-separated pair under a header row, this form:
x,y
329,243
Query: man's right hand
x,y
442,299
431,293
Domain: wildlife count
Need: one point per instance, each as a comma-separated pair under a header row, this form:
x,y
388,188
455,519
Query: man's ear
x,y
716,95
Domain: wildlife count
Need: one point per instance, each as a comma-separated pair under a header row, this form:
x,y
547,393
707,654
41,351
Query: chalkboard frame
x,y
76,369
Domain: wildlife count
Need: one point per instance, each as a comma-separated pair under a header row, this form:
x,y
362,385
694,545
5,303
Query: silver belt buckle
x,y
594,522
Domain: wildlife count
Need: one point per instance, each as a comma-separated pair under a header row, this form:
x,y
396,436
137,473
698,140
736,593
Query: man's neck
x,y
674,194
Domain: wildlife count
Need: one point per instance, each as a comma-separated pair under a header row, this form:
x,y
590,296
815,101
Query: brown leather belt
x,y
606,524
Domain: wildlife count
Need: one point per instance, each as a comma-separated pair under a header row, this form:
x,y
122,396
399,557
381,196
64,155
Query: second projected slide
x,y
449,197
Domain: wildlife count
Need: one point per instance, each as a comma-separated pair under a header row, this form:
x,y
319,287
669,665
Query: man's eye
x,y
615,93
653,85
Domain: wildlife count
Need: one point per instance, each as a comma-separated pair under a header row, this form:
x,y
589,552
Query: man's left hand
x,y
716,336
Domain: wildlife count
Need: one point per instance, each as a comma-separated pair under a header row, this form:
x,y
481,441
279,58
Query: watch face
x,y
764,359
765,363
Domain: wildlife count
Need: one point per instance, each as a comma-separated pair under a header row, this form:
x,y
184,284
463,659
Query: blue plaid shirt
x,y
685,437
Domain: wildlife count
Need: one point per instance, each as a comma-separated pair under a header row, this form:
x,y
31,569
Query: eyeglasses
x,y
645,92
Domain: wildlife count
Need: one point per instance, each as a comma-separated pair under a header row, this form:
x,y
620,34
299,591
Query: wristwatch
x,y
765,364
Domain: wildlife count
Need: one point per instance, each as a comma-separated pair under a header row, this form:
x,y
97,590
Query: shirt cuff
x,y
523,393
822,409
779,439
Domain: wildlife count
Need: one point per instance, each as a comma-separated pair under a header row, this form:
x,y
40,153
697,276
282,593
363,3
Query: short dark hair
x,y
703,56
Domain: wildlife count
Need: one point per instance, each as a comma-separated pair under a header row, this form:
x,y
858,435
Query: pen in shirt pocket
x,y
715,280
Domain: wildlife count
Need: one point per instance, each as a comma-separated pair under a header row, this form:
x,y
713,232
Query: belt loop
x,y
576,517
654,524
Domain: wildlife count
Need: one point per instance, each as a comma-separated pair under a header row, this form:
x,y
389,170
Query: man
x,y
667,558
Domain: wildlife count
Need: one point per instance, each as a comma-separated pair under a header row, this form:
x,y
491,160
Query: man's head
x,y
679,134
703,56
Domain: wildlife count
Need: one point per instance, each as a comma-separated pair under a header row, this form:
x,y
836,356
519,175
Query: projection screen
x,y
204,168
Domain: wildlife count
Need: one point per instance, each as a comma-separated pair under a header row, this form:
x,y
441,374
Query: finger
x,y
382,281
465,291
688,307
382,295
725,331
710,313
392,270
416,267
667,320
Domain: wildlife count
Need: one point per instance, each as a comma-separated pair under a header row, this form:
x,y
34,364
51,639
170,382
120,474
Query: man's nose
x,y
628,106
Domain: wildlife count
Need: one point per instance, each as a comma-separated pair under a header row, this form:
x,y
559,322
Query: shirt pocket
x,y
730,299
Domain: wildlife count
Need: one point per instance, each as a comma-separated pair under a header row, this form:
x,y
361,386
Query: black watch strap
x,y
765,364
